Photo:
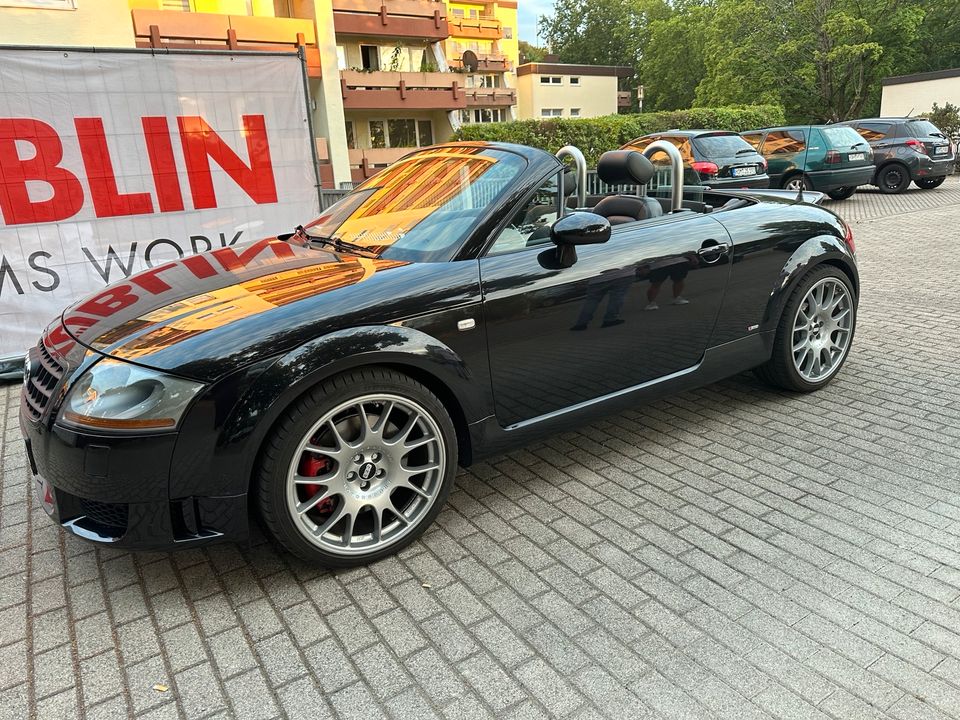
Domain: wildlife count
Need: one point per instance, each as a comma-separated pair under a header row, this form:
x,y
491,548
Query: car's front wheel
x,y
358,468
930,183
842,193
815,332
893,179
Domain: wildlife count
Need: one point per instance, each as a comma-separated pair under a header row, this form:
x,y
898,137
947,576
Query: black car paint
x,y
190,486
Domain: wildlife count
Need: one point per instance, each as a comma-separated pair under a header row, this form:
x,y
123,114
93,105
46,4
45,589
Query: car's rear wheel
x,y
358,468
930,183
893,179
815,332
842,193
797,181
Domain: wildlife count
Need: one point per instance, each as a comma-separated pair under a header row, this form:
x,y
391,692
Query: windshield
x,y
842,136
923,127
722,146
421,208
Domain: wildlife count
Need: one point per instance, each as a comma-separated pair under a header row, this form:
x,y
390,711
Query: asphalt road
x,y
732,552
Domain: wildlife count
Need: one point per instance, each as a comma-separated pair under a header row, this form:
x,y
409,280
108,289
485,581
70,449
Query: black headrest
x,y
619,167
569,181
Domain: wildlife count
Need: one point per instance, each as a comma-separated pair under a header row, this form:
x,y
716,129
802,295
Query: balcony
x,y
487,63
401,91
623,99
481,28
490,97
422,19
205,31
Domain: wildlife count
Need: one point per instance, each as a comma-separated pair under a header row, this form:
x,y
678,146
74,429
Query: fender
x,y
263,392
812,252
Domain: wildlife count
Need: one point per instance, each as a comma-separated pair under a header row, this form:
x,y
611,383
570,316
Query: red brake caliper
x,y
312,466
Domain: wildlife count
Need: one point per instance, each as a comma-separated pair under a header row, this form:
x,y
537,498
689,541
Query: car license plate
x,y
45,495
856,156
941,150
741,171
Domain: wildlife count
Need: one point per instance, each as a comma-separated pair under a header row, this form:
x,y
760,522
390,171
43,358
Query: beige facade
x,y
80,23
549,90
916,94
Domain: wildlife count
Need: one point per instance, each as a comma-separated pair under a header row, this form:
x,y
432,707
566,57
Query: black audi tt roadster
x,y
466,300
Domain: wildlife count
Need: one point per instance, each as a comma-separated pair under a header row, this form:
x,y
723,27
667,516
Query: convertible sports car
x,y
466,300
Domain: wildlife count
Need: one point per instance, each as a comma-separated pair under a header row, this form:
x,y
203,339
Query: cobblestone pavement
x,y
732,552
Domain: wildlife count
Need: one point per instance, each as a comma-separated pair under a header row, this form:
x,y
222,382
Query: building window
x,y
378,134
473,12
484,115
351,138
550,80
424,132
551,112
181,5
399,133
574,112
574,81
458,12
507,32
341,57
370,57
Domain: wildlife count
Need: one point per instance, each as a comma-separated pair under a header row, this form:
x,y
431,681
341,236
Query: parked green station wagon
x,y
830,158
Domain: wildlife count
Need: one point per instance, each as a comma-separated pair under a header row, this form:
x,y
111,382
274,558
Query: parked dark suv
x,y
906,149
829,158
720,158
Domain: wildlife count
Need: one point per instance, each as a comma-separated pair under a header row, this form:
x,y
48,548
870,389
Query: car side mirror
x,y
578,228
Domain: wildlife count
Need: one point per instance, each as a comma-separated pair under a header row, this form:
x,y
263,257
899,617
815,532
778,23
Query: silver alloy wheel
x,y
794,183
821,330
366,473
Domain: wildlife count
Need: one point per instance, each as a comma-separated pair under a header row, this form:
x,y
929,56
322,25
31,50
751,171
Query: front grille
x,y
42,382
112,516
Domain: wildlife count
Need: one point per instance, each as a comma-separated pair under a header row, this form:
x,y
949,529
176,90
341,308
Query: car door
x,y
636,308
879,135
785,151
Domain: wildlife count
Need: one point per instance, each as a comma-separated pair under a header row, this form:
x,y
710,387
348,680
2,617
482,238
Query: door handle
x,y
711,251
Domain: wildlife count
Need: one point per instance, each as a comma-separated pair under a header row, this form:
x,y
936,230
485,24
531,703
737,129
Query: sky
x,y
528,12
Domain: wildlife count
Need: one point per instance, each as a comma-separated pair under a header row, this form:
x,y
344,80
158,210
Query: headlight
x,y
114,395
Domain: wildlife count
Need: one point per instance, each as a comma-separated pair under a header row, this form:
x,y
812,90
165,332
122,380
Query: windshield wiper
x,y
745,150
337,244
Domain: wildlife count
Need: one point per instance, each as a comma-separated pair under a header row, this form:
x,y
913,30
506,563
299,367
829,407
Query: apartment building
x,y
384,76
553,90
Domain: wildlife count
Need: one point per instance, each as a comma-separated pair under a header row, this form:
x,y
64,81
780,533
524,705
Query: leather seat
x,y
626,167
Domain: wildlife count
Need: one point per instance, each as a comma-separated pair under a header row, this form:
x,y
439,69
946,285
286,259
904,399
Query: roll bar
x,y
581,162
676,164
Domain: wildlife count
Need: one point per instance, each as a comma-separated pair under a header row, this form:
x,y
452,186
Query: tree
x,y
821,59
531,53
672,63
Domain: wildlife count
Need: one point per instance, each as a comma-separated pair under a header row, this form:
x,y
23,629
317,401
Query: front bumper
x,y
827,180
115,489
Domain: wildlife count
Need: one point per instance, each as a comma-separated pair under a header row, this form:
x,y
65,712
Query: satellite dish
x,y
470,61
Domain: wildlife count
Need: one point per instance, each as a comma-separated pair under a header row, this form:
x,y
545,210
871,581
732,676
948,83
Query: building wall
x,y
595,95
99,23
918,97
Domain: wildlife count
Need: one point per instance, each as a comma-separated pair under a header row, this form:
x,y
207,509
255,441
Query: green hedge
x,y
594,136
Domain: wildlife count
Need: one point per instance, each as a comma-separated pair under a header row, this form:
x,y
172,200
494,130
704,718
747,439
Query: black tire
x,y
893,179
929,183
789,179
780,370
842,193
271,479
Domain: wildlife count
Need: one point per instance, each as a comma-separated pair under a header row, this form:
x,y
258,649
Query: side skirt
x,y
488,437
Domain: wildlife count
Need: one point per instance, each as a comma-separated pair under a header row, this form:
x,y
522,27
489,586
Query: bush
x,y
594,136
947,118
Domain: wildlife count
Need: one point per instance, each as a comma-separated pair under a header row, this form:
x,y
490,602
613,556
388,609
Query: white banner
x,y
111,163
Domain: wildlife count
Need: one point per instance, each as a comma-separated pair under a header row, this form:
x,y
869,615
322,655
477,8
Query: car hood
x,y
208,314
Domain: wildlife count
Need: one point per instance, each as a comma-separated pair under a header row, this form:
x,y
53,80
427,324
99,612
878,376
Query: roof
x,y
693,132
922,77
571,69
885,118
